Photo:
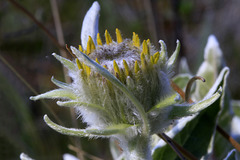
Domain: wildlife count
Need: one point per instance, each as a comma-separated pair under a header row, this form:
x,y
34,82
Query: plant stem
x,y
234,143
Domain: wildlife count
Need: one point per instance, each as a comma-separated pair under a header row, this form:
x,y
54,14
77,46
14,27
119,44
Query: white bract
x,y
121,89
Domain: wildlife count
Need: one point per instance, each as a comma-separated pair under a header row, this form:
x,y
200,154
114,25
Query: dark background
x,y
25,47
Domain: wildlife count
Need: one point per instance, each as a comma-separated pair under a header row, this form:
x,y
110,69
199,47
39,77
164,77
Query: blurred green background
x,y
28,50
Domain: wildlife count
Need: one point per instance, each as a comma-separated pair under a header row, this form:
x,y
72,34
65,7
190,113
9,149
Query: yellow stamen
x,y
151,60
143,61
99,41
136,67
136,40
104,66
80,48
118,36
118,72
79,64
97,61
86,69
108,37
156,57
116,68
148,41
90,45
127,71
134,37
145,48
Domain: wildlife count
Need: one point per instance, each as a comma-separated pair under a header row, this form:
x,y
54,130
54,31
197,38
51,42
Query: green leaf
x,y
210,67
187,109
105,73
220,145
163,52
173,99
57,93
213,53
209,74
220,81
195,136
60,84
108,131
66,62
171,61
197,133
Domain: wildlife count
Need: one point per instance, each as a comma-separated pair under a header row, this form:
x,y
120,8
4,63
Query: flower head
x,y
120,88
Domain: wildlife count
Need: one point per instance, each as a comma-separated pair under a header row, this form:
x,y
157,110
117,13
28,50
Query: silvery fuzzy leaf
x,y
66,62
221,79
187,109
182,122
90,25
219,147
24,156
163,52
77,103
195,136
68,156
208,72
91,132
213,53
210,68
60,84
168,101
57,93
171,61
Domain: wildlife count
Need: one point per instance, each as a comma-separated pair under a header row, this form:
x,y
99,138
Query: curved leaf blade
x,y
189,109
60,84
66,62
108,131
57,93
